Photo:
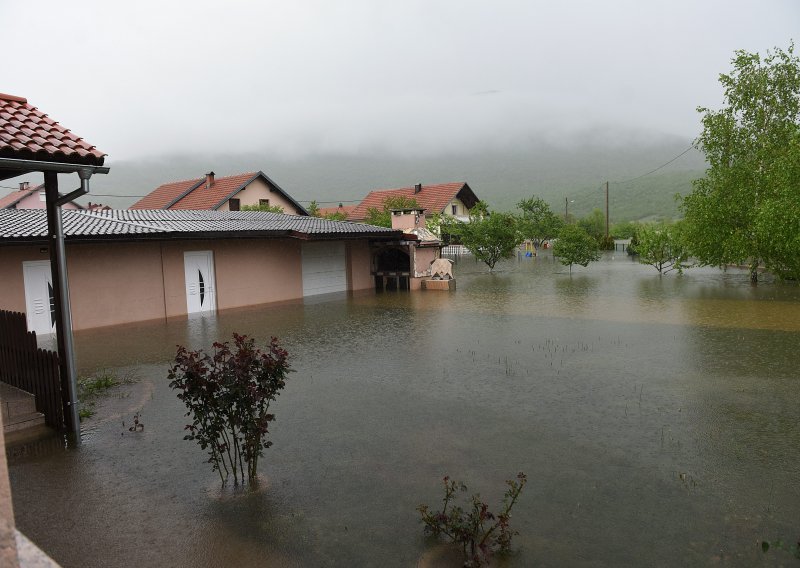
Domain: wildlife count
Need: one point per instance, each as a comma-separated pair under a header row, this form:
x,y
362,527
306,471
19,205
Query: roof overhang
x,y
13,167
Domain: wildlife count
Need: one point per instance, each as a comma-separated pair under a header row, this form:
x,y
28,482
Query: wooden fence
x,y
25,366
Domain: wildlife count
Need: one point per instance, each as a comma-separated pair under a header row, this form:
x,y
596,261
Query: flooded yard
x,y
656,419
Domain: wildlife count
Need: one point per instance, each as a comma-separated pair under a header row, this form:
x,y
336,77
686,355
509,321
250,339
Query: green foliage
x,y
263,207
92,387
575,246
477,530
313,209
663,247
746,210
624,230
538,222
228,395
336,216
594,224
489,236
794,549
383,217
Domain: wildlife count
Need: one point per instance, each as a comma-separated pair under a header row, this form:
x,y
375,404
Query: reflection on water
x,y
655,417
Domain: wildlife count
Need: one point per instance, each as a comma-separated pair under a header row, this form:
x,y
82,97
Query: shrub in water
x,y
228,395
480,532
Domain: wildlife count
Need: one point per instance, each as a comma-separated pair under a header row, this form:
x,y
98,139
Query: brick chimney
x,y
408,218
209,179
417,188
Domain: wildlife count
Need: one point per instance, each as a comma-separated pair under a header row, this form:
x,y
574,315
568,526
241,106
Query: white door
x,y
39,298
200,287
324,268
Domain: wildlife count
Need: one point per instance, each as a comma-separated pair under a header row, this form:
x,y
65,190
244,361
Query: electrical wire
x,y
656,169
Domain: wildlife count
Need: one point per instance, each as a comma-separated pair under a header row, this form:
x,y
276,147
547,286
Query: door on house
x,y
201,289
324,268
39,297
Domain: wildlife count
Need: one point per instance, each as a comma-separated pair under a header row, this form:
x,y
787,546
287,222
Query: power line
x,y
658,168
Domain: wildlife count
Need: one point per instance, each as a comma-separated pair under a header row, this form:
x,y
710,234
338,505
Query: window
x,y
455,209
42,196
233,204
263,202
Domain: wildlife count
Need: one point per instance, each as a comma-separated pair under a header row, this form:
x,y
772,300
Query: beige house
x,y
228,193
454,199
126,266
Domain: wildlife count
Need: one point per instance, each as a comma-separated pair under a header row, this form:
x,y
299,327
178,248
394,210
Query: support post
x,y
63,311
606,211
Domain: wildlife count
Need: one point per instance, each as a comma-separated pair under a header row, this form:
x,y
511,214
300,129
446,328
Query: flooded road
x,y
656,419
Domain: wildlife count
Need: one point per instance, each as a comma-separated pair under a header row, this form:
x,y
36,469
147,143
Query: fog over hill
x,y
573,169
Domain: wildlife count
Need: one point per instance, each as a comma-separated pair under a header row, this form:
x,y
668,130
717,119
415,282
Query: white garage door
x,y
324,268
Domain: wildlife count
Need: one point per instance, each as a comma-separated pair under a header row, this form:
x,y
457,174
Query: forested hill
x,y
501,177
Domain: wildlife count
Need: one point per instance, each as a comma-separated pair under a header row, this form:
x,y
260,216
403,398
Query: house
x,y
134,265
29,197
454,199
213,193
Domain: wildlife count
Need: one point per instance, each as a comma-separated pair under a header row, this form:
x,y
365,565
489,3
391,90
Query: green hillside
x,y
574,171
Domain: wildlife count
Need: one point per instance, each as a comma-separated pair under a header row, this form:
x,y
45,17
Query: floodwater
x,y
656,418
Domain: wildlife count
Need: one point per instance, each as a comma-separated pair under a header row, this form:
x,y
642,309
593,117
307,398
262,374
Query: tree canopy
x,y
489,236
263,207
575,246
662,247
538,222
746,210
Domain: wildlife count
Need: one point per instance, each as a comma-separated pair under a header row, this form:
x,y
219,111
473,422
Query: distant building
x,y
453,199
29,197
213,193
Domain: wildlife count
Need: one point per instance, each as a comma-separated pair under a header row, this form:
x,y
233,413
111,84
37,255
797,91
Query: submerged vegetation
x,y
92,387
228,396
480,533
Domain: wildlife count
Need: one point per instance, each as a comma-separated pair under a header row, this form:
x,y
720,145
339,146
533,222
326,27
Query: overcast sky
x,y
295,77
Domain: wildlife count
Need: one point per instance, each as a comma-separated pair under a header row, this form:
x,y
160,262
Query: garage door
x,y
324,268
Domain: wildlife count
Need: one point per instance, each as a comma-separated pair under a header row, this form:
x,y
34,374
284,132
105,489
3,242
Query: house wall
x,y
35,201
359,269
461,209
260,189
117,282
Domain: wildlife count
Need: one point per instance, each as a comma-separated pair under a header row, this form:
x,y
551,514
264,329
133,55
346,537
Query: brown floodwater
x,y
656,419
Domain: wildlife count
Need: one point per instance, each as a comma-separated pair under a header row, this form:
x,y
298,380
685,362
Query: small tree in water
x,y
575,246
228,395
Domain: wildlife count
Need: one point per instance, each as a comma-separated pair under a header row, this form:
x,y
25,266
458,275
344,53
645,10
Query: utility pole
x,y
566,210
606,211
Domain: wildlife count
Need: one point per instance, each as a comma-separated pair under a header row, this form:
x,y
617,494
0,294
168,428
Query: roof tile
x,y
433,198
29,134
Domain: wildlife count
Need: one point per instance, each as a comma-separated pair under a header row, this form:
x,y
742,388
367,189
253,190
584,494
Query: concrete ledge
x,y
446,285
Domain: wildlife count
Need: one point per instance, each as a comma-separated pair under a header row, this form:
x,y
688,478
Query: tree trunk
x,y
754,272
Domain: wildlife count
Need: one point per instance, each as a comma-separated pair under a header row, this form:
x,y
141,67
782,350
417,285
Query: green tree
x,y
662,247
489,236
313,209
263,207
746,210
624,230
575,246
337,216
538,222
383,217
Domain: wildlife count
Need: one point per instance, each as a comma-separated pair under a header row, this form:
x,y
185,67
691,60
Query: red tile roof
x,y
346,209
433,198
15,197
214,196
27,133
193,193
